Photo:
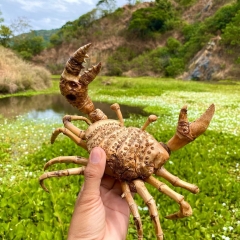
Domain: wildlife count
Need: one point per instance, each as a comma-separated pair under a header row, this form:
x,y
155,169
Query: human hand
x,y
100,212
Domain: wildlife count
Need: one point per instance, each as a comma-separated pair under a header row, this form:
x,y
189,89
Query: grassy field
x,y
211,162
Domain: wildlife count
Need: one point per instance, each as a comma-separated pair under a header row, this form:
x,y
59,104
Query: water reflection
x,y
52,107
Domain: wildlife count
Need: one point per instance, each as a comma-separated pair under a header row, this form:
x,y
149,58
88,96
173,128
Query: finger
x,y
94,171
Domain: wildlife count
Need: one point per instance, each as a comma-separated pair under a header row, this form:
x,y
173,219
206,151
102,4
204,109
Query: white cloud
x,y
29,5
55,5
47,14
90,2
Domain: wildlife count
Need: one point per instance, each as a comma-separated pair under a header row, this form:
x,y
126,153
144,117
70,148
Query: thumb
x,y
94,171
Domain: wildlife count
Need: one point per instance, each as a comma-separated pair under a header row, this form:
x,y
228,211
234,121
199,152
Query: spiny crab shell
x,y
131,152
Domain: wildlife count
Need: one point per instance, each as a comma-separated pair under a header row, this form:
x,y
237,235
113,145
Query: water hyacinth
x,y
223,118
225,238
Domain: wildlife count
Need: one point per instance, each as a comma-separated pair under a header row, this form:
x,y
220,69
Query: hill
x,y
45,34
183,39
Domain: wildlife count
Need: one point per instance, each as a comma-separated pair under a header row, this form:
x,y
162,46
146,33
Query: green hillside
x,y
45,34
161,38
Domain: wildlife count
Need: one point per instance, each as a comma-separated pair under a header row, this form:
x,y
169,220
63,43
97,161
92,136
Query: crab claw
x,y
74,86
74,64
187,132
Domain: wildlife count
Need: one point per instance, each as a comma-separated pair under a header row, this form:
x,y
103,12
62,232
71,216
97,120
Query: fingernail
x,y
95,156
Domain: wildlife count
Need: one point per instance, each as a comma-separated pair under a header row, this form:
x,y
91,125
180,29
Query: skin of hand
x,y
100,211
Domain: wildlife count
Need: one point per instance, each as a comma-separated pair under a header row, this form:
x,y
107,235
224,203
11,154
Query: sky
x,y
47,14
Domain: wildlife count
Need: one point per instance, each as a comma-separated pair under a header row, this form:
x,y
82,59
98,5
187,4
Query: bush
x,y
173,45
146,21
176,66
231,34
118,62
55,68
114,67
195,38
222,17
17,75
185,3
25,55
27,45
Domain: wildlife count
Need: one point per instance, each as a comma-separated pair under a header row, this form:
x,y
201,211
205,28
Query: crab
x,y
133,155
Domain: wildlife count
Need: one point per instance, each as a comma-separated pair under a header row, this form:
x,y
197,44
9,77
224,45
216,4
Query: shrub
x,y
146,21
231,34
185,3
173,45
175,67
55,68
114,67
17,75
25,55
117,63
222,17
152,61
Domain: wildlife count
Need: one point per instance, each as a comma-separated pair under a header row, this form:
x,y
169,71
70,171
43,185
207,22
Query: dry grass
x,y
17,75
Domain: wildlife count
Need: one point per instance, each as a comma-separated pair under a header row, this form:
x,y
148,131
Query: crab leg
x,y
151,118
75,118
67,159
175,181
133,208
185,208
148,199
67,124
116,108
60,173
71,135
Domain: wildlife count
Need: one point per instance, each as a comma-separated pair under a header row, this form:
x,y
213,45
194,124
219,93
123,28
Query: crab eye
x,y
71,97
73,84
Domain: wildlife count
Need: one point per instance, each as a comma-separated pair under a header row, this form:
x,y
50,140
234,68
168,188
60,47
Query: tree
x,y
1,19
55,39
28,45
231,34
107,6
20,25
145,22
5,33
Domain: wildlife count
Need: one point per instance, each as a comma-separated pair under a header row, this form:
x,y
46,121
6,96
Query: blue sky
x,y
47,14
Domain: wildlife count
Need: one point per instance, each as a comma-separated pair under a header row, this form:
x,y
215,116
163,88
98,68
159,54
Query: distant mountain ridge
x,y
46,34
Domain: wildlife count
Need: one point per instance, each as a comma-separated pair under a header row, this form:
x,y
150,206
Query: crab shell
x,y
131,152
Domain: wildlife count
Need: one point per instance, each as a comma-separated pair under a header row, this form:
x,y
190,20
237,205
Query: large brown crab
x,y
133,155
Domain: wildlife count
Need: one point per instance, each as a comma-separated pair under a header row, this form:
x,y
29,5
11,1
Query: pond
x,y
53,107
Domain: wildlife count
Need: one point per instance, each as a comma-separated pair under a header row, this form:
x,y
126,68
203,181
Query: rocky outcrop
x,y
205,66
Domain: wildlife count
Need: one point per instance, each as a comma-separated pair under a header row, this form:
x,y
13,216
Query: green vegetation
x,y
26,44
5,32
146,22
72,30
85,28
45,34
171,60
211,162
231,35
17,75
